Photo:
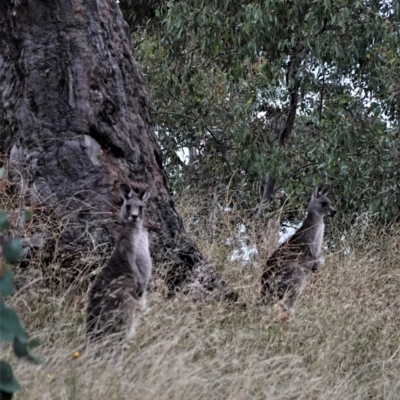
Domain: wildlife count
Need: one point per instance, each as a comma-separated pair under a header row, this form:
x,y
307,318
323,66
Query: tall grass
x,y
342,343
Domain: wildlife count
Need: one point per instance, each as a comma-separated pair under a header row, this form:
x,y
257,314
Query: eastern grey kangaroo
x,y
285,274
118,295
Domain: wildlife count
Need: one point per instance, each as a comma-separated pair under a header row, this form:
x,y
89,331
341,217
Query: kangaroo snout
x,y
133,217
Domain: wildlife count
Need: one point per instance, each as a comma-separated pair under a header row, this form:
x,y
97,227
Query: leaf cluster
x,y
11,329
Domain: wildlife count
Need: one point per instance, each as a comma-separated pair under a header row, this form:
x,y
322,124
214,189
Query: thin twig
x,y
222,150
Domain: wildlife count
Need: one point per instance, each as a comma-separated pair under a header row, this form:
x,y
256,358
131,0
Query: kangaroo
x,y
118,295
287,270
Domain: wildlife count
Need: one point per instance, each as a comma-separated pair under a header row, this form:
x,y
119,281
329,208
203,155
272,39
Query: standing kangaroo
x,y
286,272
118,296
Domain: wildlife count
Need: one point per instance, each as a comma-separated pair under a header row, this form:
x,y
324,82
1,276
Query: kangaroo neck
x,y
127,236
128,229
313,218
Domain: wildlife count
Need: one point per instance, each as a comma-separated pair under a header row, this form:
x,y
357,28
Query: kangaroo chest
x,y
316,240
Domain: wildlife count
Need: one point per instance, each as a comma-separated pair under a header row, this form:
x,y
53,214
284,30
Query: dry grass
x,y
343,342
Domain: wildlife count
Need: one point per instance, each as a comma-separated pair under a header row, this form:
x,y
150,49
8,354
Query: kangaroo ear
x,y
319,190
325,190
145,195
126,191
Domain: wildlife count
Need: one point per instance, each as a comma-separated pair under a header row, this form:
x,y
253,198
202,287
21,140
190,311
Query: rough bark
x,y
78,124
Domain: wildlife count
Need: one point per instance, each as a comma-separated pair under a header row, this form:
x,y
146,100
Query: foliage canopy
x,y
226,77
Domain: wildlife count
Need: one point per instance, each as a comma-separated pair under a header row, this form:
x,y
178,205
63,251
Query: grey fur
x,y
286,272
118,295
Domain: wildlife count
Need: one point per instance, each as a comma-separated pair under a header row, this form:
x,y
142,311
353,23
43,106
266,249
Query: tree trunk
x,y
267,230
78,124
269,186
268,234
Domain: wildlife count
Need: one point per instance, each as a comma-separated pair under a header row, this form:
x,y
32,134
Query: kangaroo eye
x,y
324,203
128,207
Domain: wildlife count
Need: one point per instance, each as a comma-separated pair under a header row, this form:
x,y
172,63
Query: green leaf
x,y
12,251
33,343
25,216
6,280
4,223
28,214
20,348
6,395
10,326
8,383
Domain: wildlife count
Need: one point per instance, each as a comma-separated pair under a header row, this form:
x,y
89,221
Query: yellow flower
x,y
76,354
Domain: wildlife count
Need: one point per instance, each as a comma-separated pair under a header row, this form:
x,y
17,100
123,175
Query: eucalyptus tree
x,y
77,124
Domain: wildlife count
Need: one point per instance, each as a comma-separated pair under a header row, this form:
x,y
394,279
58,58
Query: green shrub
x,y
11,329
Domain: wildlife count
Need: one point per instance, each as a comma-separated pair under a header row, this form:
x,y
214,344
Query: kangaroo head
x,y
320,204
133,204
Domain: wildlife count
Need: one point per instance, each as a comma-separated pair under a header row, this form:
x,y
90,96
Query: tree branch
x,y
222,150
174,113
